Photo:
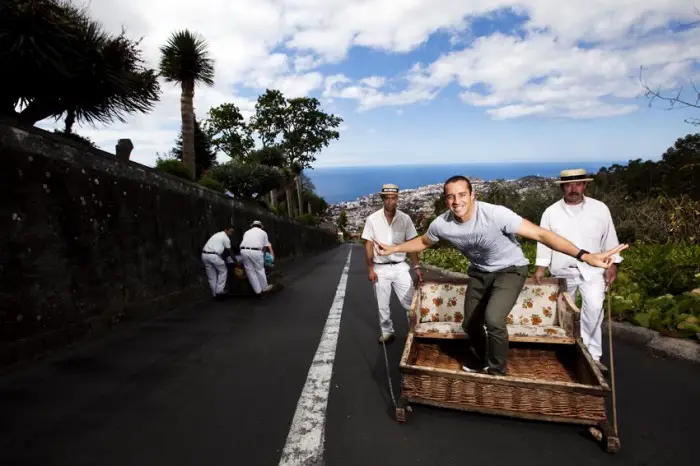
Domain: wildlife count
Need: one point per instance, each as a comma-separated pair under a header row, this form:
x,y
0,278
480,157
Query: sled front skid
x,y
599,429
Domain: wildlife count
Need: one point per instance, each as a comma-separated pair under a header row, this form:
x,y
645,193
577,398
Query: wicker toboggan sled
x,y
550,376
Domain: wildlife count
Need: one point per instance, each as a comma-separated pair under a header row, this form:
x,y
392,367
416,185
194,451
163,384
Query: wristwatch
x,y
580,254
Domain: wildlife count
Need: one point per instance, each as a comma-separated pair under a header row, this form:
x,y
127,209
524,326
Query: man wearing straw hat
x,y
587,223
485,234
252,247
390,226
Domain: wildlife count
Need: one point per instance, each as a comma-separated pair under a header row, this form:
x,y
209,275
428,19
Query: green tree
x,y
342,221
204,154
307,130
61,63
680,166
673,175
271,156
229,132
185,60
299,127
247,181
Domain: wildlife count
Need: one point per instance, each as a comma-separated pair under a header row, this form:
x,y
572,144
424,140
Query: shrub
x,y
307,219
211,183
174,167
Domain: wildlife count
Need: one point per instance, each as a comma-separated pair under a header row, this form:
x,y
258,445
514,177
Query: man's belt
x,y
210,252
254,249
390,262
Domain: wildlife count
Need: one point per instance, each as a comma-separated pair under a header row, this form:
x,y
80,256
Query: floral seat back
x,y
444,302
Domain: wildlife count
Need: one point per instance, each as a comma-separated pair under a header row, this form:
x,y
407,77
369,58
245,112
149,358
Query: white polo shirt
x,y
217,243
588,225
399,231
254,238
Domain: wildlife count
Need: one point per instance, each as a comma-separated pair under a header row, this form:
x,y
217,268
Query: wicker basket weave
x,y
542,382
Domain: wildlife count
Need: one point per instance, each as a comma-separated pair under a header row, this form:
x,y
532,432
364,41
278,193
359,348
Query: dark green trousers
x,y
490,298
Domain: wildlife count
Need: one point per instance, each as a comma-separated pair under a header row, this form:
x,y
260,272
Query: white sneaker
x,y
469,369
268,288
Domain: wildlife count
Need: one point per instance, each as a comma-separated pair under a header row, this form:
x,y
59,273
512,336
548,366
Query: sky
x,y
432,81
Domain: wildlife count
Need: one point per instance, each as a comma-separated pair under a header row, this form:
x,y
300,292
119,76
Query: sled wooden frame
x,y
583,402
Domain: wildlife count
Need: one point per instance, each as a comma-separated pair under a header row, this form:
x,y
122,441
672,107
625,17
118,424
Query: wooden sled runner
x,y
550,376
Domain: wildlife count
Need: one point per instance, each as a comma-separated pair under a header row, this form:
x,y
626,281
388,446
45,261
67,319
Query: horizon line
x,y
440,164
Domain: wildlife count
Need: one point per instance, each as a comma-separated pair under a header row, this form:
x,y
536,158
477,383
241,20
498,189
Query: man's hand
x,y
419,273
539,274
384,250
603,259
372,275
611,275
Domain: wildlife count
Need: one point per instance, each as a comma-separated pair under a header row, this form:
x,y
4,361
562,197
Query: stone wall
x,y
89,240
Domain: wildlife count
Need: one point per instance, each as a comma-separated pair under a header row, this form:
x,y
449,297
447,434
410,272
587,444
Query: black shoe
x,y
494,372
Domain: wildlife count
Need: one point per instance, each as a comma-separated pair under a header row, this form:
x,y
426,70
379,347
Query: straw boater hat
x,y
389,189
573,175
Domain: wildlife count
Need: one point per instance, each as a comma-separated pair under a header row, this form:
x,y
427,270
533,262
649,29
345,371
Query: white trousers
x,y
216,272
398,277
592,297
254,264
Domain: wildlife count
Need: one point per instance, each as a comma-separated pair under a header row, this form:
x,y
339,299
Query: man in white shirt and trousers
x,y
587,223
252,247
214,263
390,225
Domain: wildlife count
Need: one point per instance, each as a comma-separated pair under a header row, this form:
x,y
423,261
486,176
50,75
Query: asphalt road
x,y
218,384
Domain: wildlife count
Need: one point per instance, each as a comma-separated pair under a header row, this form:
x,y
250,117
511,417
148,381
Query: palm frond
x,y
185,58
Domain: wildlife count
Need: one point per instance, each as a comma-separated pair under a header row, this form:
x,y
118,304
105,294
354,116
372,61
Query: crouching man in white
x,y
389,225
252,248
587,223
214,263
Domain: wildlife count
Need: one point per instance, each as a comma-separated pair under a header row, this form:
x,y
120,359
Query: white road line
x,y
306,435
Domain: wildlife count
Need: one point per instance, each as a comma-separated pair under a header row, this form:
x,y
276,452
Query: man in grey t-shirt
x,y
485,234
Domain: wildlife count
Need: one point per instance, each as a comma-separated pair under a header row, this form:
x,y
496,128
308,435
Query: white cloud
x,y
282,43
540,74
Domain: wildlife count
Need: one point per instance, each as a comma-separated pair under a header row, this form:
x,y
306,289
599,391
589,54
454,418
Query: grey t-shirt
x,y
487,239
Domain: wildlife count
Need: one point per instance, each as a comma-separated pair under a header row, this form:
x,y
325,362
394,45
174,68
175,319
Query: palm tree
x,y
64,63
185,60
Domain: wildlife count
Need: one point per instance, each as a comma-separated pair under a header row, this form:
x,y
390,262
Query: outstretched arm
x,y
417,244
563,245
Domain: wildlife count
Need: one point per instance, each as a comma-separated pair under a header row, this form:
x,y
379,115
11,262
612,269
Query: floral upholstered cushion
x,y
536,305
454,330
442,302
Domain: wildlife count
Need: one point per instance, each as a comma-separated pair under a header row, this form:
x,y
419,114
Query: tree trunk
x,y
299,195
70,121
273,198
187,114
288,191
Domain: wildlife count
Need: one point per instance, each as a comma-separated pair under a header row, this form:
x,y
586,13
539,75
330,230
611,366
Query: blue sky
x,y
434,81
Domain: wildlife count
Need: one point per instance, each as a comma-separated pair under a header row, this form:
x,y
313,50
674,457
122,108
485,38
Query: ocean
x,y
339,184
